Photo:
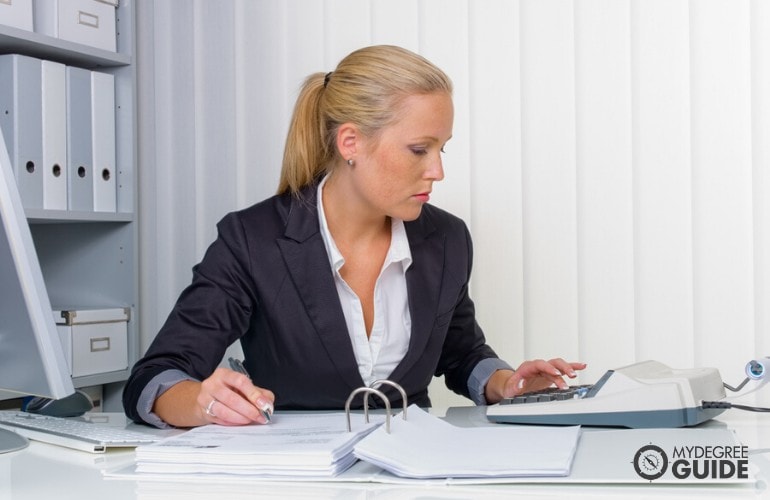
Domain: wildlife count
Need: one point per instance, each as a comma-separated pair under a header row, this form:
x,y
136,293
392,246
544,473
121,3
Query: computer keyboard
x,y
73,433
642,395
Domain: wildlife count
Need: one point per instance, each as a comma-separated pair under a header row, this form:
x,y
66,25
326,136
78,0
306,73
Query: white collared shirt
x,y
388,342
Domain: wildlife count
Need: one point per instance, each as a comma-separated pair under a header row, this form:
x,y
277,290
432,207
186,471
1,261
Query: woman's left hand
x,y
534,375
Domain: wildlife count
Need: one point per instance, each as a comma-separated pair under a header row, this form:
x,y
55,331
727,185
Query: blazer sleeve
x,y
465,345
210,314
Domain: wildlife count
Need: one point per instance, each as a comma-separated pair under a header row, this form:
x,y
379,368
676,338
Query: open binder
x,y
316,445
425,447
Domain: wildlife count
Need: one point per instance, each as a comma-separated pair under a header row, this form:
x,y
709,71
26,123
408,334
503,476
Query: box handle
x,y
88,19
99,344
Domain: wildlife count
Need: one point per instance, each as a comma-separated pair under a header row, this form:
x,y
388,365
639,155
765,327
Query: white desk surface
x,y
43,471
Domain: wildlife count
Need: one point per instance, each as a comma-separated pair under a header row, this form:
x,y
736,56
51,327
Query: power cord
x,y
725,405
736,389
756,370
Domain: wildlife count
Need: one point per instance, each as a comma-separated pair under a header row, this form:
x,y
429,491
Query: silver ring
x,y
208,408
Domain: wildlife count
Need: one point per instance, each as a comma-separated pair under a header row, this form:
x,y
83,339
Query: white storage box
x,y
94,340
16,13
90,22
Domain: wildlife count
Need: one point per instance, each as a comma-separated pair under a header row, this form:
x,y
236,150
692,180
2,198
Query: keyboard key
x,y
550,394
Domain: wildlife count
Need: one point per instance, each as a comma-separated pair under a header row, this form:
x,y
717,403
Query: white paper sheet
x,y
424,446
293,444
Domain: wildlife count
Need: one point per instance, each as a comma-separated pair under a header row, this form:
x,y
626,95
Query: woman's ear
x,y
348,138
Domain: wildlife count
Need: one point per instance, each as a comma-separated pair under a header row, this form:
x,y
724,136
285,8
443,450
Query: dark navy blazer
x,y
266,280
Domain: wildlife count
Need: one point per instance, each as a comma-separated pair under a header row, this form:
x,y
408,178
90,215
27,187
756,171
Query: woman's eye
x,y
419,151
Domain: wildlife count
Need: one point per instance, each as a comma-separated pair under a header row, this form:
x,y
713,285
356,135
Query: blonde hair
x,y
365,89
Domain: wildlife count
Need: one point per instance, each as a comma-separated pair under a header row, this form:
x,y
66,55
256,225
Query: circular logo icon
x,y
650,462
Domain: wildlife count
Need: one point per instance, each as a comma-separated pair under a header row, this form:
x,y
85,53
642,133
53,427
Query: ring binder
x,y
377,383
366,408
372,389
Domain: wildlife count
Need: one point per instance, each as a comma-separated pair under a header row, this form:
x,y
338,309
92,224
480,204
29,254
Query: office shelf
x,y
19,41
90,259
41,216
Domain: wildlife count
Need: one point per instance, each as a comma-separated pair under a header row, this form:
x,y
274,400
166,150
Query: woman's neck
x,y
349,219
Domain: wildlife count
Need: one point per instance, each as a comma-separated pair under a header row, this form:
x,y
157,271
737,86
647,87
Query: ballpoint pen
x,y
237,366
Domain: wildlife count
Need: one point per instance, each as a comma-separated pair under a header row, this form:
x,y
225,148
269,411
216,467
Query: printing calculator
x,y
642,395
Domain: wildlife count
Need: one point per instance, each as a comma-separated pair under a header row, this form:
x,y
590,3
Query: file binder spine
x,y
54,99
103,141
79,148
21,121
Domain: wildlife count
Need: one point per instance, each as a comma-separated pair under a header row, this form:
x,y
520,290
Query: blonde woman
x,y
346,276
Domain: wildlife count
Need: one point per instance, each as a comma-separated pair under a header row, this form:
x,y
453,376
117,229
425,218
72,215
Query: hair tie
x,y
326,78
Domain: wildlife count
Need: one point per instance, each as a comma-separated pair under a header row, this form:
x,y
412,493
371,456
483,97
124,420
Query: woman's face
x,y
395,171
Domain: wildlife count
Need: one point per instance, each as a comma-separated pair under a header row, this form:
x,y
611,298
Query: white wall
x,y
610,156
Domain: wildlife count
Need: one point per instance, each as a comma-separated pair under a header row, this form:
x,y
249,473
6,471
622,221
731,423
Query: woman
x,y
344,277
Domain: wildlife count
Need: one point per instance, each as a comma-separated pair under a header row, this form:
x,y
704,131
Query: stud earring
x,y
351,162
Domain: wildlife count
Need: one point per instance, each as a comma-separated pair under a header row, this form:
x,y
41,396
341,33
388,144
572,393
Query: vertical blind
x,y
610,157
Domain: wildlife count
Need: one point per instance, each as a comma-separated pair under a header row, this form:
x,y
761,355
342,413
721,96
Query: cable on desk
x,y
739,387
725,405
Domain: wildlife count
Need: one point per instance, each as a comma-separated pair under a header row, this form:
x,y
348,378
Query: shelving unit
x,y
90,259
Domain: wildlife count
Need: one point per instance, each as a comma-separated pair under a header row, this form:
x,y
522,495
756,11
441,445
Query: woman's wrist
x,y
495,388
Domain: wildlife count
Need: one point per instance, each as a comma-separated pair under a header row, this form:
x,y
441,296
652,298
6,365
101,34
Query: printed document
x,y
316,444
424,446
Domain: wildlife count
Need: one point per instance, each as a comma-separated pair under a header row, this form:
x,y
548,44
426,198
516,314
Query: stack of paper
x,y
424,446
292,445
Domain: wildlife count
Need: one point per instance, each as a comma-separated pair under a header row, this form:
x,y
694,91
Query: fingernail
x,y
265,405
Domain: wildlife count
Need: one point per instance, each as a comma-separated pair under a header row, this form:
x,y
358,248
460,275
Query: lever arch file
x,y
425,447
103,141
79,150
21,122
54,139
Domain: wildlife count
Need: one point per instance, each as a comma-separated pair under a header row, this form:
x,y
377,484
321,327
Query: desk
x,y
44,471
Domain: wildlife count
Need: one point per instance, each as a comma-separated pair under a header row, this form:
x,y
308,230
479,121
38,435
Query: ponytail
x,y
305,155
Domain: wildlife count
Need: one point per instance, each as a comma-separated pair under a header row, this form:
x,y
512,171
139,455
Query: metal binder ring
x,y
377,383
368,390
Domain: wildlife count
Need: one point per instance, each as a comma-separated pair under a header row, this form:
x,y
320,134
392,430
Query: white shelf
x,y
91,258
19,41
42,216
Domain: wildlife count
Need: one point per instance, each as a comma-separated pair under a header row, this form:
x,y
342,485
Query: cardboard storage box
x,y
90,22
94,340
16,13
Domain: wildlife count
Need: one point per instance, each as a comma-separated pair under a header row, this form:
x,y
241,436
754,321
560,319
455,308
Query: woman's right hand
x,y
226,398
229,398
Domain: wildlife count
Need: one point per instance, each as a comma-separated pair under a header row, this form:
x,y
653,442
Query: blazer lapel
x,y
423,283
306,260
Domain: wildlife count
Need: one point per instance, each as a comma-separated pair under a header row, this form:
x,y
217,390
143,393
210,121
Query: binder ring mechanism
x,y
372,389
